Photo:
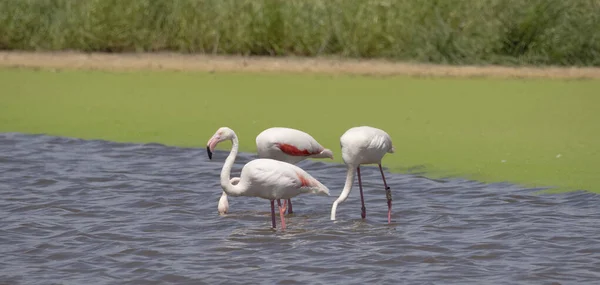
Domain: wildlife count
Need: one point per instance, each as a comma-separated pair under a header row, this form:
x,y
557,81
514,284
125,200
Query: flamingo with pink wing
x,y
264,178
283,144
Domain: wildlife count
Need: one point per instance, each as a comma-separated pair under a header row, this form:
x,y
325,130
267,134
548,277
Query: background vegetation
x,y
538,32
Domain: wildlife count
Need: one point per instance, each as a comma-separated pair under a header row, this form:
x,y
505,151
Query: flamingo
x,y
283,144
264,177
363,145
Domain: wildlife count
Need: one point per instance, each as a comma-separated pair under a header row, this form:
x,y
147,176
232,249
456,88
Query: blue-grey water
x,y
95,212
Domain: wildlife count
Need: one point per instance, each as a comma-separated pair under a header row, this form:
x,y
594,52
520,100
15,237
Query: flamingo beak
x,y
210,146
209,152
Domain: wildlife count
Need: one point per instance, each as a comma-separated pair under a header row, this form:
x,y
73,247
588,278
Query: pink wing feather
x,y
289,141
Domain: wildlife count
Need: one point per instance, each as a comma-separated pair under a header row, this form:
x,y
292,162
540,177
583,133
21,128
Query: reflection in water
x,y
99,212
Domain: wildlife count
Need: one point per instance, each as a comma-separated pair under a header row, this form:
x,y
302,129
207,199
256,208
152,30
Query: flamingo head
x,y
222,134
223,206
327,153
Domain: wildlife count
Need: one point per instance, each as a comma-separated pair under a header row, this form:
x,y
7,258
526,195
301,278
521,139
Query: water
x,y
96,212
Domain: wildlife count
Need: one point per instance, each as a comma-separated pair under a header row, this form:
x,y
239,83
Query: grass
x,y
508,32
534,132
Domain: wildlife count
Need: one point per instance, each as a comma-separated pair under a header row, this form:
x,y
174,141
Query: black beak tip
x,y
209,152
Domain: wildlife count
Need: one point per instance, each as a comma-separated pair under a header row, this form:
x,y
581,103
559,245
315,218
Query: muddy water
x,y
95,212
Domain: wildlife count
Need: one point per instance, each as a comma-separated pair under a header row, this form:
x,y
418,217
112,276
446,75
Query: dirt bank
x,y
179,62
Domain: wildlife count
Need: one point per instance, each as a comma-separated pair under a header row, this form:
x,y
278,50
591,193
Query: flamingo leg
x,y
273,213
289,201
282,212
363,212
388,195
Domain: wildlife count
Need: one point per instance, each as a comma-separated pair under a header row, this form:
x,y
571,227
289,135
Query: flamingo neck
x,y
228,187
345,191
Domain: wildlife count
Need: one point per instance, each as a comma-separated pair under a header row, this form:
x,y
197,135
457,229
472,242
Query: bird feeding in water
x,y
264,177
363,145
283,144
289,145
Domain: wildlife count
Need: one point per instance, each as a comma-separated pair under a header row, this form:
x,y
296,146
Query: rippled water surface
x,y
96,212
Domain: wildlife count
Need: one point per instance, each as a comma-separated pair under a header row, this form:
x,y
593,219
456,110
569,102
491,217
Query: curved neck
x,y
230,189
345,191
348,184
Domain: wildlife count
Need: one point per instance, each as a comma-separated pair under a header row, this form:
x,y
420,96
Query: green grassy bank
x,y
554,32
535,132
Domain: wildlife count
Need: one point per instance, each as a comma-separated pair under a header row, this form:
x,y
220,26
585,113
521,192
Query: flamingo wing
x,y
269,174
381,141
289,141
296,150
367,138
273,179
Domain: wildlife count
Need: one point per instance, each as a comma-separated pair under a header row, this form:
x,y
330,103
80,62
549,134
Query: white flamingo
x,y
264,178
363,145
283,144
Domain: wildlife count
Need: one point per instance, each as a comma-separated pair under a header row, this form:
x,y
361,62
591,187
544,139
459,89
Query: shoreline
x,y
211,63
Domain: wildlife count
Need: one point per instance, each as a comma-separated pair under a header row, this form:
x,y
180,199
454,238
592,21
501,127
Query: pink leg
x,y
273,213
289,201
363,212
282,212
388,195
